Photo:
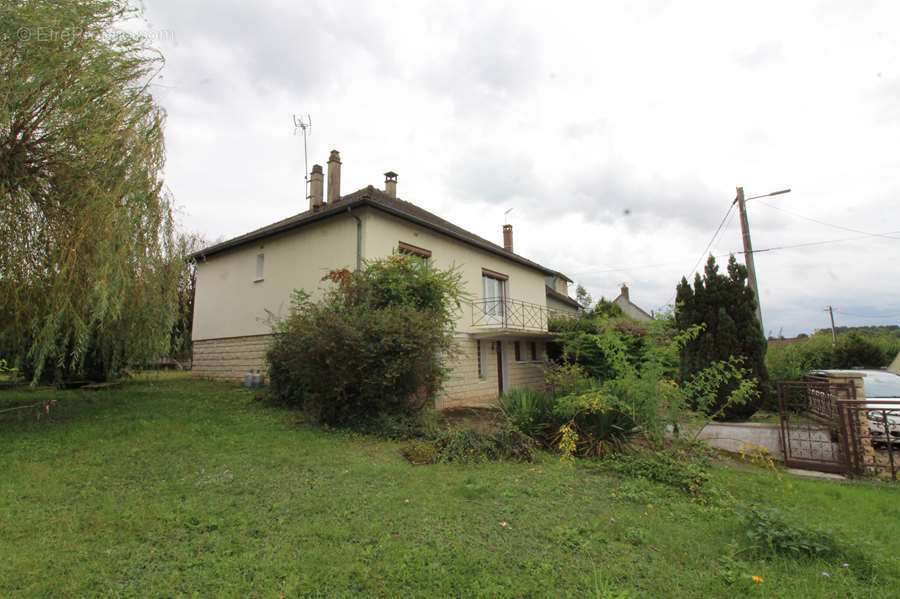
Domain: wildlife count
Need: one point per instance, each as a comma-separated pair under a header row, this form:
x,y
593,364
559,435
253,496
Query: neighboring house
x,y
895,365
501,332
558,301
629,308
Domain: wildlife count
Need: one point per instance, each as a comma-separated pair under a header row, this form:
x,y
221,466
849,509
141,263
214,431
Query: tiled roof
x,y
375,198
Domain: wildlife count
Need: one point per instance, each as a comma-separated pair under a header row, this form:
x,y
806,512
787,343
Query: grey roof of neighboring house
x,y
633,305
551,292
375,198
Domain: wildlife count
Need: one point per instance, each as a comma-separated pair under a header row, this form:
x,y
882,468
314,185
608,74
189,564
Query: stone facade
x,y
466,387
230,358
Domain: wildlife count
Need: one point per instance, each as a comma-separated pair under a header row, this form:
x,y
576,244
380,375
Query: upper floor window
x,y
408,249
260,267
494,288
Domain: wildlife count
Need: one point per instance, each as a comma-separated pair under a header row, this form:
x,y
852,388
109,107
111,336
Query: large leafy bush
x,y
373,345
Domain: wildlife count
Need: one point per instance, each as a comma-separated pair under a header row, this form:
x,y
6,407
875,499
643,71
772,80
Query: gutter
x,y
358,238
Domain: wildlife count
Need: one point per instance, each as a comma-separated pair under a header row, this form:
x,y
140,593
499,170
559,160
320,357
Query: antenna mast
x,y
304,127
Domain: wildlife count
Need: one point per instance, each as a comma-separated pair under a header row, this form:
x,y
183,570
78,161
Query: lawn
x,y
172,487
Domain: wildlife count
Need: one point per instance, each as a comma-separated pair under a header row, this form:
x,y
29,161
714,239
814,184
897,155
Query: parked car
x,y
878,385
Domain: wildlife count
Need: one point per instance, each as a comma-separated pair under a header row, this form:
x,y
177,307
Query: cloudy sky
x,y
616,132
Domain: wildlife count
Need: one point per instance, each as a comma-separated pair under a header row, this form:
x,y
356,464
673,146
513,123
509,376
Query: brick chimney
x,y
625,291
334,177
316,183
390,183
507,238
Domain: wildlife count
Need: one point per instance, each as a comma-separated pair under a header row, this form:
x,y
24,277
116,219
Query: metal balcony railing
x,y
505,313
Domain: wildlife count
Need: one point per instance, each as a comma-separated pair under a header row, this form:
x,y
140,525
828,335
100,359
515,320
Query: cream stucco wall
x,y
230,303
558,306
383,232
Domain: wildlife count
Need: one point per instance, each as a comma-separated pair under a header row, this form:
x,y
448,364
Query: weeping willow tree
x,y
87,261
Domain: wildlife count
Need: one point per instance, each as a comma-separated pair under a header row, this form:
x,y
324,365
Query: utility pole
x,y
748,255
748,246
830,311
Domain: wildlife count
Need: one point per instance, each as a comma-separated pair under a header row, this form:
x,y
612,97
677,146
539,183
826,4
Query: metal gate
x,y
811,430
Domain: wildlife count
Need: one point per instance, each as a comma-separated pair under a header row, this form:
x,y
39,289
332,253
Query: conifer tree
x,y
726,307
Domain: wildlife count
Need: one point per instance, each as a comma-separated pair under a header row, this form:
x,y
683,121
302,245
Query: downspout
x,y
358,238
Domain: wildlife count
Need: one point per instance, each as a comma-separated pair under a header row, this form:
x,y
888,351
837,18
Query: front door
x,y
499,345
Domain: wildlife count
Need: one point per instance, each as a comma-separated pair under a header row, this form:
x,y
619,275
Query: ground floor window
x,y
479,359
518,348
534,352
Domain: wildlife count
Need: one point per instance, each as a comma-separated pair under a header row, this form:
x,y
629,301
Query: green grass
x,y
168,487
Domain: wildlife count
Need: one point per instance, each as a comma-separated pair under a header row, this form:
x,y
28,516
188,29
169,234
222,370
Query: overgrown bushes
x,y
854,349
373,345
470,446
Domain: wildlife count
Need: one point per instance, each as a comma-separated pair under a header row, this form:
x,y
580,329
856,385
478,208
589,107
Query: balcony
x,y
501,313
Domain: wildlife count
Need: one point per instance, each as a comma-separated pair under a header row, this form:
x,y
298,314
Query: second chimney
x,y
507,238
625,291
316,183
390,183
334,177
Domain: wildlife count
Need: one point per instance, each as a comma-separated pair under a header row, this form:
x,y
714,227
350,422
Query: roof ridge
x,y
377,198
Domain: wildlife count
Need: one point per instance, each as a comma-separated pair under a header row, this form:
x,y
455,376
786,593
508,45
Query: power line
x,y
868,315
798,215
800,245
736,252
705,251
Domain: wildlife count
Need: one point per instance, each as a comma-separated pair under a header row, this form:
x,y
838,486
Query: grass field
x,y
170,487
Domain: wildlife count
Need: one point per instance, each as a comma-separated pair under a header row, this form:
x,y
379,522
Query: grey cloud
x,y
607,195
274,48
496,61
761,56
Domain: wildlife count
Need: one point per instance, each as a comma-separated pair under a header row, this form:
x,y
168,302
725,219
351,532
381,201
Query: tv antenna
x,y
304,128
505,215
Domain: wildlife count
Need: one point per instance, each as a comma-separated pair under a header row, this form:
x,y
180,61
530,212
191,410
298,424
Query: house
x,y
558,301
629,308
501,332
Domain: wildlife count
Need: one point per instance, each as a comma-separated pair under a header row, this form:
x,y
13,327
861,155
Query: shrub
x,y
420,452
870,348
854,350
770,534
529,411
466,446
689,475
401,427
592,424
373,345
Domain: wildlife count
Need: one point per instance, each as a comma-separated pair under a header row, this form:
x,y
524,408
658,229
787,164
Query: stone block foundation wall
x,y
465,388
230,358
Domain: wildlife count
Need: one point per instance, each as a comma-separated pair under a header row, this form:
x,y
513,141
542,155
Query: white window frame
x,y
260,267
